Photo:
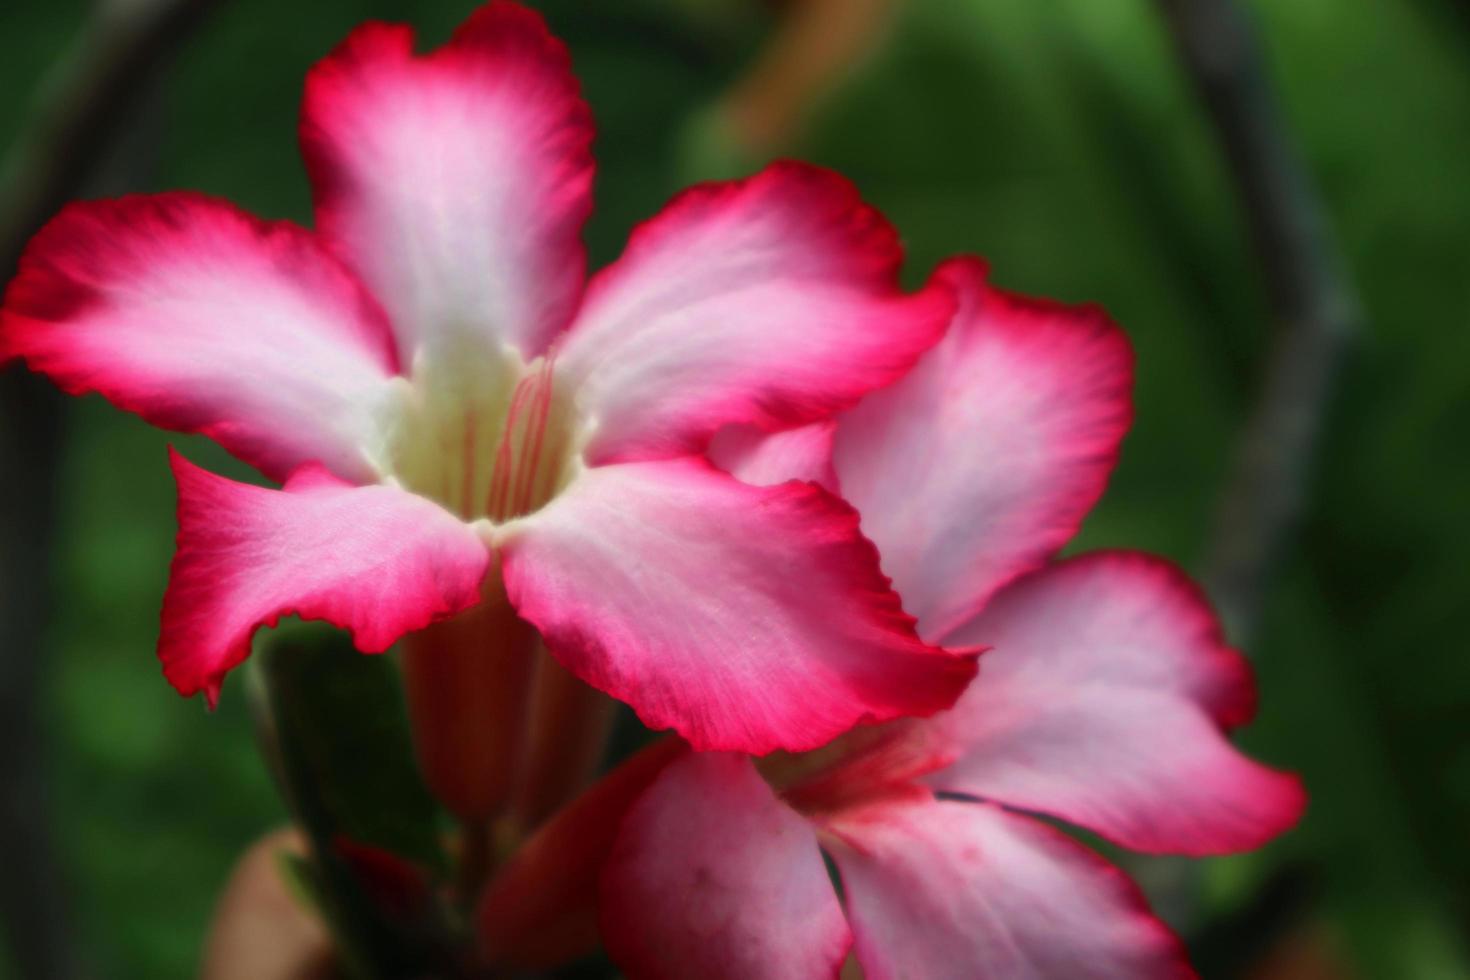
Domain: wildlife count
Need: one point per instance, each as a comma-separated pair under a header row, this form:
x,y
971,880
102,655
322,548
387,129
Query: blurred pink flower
x,y
1104,702
453,410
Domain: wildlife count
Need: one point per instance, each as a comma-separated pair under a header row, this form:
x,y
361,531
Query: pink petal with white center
x,y
456,182
1104,702
983,460
764,459
201,318
745,618
714,877
373,560
953,891
771,301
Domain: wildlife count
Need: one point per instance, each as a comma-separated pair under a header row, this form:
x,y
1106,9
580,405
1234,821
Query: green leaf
x,y
333,726
341,719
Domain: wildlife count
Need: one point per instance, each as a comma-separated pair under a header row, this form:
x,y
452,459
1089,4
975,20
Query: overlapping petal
x,y
201,318
771,301
540,910
714,877
984,459
944,890
456,183
1104,703
373,560
746,618
764,459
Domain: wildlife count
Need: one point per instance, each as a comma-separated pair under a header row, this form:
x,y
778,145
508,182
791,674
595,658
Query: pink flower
x,y
1104,702
452,410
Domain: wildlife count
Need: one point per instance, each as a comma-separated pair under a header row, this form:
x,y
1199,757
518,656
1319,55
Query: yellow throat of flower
x,y
486,435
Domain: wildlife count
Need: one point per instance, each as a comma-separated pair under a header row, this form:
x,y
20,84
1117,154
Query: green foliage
x,y
333,726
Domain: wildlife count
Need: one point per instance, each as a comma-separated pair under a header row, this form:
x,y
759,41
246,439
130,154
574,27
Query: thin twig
x,y
1313,300
72,131
814,47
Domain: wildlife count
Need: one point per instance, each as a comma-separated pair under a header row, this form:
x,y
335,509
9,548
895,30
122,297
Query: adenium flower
x,y
1103,701
458,418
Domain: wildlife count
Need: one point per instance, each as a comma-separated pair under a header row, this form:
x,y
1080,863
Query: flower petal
x,y
201,318
957,890
764,459
984,459
540,909
746,618
373,560
1103,704
456,183
771,301
712,876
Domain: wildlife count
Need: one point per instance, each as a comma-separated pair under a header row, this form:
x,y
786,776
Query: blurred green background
x,y
1059,140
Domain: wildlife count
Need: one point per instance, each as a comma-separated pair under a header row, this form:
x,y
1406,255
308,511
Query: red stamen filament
x,y
534,434
514,482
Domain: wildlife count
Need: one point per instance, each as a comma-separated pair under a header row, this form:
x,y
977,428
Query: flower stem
x,y
476,856
467,681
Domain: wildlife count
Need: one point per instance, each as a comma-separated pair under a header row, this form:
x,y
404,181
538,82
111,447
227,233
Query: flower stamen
x,y
518,485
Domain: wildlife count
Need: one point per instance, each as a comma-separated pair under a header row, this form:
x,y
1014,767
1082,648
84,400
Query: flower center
x,y
519,482
488,437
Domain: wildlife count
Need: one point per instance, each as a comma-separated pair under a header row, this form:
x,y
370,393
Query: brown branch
x,y
85,109
1316,312
1312,299
73,129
